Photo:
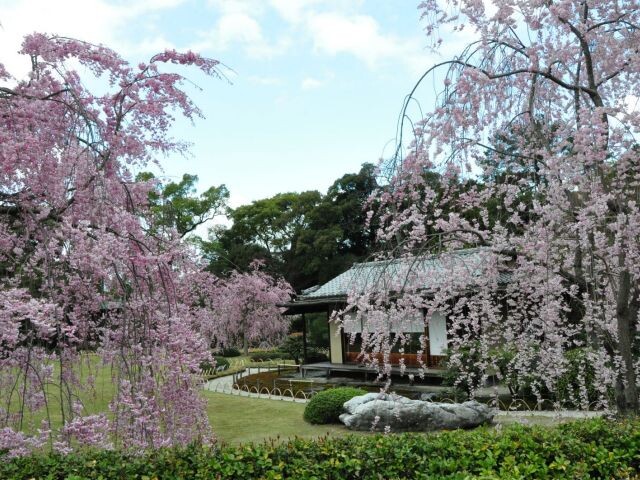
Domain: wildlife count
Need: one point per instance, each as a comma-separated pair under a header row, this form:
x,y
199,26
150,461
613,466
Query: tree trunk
x,y
627,399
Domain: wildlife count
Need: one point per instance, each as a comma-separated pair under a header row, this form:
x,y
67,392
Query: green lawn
x,y
234,419
94,400
237,419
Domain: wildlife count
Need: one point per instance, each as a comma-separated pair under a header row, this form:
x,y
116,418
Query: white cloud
x,y
246,7
298,11
238,25
96,21
293,11
333,33
238,28
332,26
359,35
152,45
309,83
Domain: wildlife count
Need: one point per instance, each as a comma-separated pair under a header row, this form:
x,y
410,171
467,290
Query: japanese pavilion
x,y
391,275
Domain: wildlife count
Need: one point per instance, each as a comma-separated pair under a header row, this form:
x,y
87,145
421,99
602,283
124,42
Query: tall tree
x,y
305,237
339,232
565,74
274,223
78,268
178,206
267,229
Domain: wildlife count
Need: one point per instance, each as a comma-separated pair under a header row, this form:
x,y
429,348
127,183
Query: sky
x,y
313,87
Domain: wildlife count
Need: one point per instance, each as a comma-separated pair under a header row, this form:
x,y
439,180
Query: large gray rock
x,y
402,414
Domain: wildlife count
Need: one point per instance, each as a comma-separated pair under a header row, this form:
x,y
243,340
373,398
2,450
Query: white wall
x,y
335,340
437,334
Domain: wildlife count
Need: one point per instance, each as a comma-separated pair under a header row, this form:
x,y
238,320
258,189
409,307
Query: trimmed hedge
x,y
579,450
222,362
326,406
314,356
229,352
210,370
271,355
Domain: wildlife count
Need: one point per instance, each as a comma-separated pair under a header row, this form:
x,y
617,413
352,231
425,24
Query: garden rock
x,y
379,411
428,396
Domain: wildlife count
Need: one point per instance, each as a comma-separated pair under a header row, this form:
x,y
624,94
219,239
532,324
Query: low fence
x,y
241,369
513,406
262,392
293,393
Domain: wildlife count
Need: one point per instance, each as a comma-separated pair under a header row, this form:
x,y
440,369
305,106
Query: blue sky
x,y
315,86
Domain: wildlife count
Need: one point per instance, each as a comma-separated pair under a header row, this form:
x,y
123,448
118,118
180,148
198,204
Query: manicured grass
x,y
237,419
234,419
95,400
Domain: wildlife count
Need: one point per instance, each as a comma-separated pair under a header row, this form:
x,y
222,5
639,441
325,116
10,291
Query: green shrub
x,y
209,369
579,450
314,356
326,406
222,362
465,375
206,366
293,347
230,352
266,356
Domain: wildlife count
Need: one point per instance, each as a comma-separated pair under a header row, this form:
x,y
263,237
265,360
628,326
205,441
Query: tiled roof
x,y
423,273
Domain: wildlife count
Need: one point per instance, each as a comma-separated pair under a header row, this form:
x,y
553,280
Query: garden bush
x,y
326,406
314,356
222,362
269,355
206,366
465,376
293,347
210,370
580,450
230,352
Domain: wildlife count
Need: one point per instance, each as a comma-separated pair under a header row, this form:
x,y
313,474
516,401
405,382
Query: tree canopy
x,y
177,205
307,238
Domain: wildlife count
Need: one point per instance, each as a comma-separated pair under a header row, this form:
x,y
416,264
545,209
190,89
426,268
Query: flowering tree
x,y
246,308
79,270
534,138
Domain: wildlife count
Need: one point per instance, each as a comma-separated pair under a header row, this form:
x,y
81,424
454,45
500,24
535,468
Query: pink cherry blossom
x,y
536,145
80,271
